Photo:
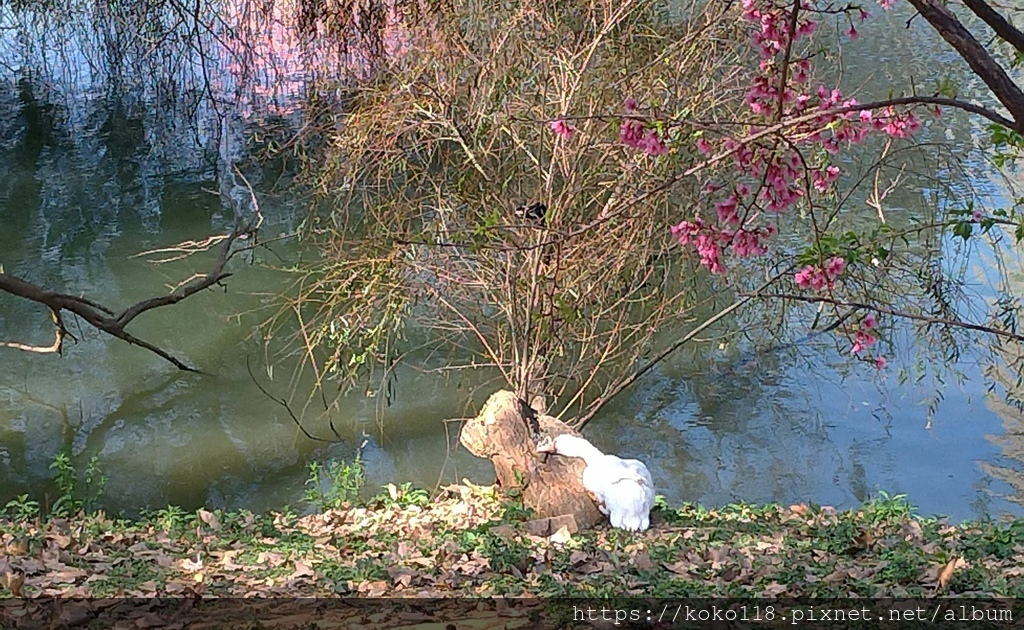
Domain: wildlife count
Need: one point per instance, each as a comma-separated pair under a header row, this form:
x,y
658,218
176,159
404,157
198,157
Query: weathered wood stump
x,y
551,485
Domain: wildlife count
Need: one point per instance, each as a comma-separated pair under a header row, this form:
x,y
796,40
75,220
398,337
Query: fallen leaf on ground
x,y
562,536
210,519
946,574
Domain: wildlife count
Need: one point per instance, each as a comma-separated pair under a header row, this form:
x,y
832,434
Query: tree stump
x,y
551,485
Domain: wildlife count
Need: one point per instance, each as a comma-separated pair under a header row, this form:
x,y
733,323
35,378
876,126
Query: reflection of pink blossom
x,y
880,362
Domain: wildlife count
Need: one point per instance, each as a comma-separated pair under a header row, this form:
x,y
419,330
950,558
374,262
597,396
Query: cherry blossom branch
x,y
783,124
942,321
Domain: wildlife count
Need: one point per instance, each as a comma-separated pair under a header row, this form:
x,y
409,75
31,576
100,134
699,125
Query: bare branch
x,y
284,403
103,318
58,339
980,61
675,345
999,24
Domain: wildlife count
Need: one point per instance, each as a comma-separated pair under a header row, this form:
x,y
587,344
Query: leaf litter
x,y
462,544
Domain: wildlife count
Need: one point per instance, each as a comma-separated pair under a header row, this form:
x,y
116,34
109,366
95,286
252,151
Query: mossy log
x,y
551,485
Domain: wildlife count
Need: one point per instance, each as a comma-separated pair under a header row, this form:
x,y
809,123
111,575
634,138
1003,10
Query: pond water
x,y
100,164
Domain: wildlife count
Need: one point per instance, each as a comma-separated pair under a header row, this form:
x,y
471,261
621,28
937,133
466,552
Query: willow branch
x,y
675,345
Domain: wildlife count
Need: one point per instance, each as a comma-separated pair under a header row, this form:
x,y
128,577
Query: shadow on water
x,y
101,165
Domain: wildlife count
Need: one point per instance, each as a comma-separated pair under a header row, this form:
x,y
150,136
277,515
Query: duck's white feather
x,y
622,488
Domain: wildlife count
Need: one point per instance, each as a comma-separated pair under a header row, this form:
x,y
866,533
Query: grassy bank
x,y
472,541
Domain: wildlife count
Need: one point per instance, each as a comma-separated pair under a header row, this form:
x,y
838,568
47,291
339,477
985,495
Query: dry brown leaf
x,y
149,620
567,521
680,567
373,589
302,570
272,558
863,541
67,574
718,555
14,581
17,547
946,574
642,561
506,532
414,617
731,573
404,549
75,614
800,509
147,588
773,590
210,519
592,566
912,531
562,536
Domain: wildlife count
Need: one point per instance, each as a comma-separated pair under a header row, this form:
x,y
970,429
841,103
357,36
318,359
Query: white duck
x,y
621,488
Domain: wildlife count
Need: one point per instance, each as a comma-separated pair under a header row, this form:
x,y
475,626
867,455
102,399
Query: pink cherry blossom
x,y
631,132
835,267
562,128
772,177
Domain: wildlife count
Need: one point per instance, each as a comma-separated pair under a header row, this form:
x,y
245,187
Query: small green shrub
x,y
75,497
330,485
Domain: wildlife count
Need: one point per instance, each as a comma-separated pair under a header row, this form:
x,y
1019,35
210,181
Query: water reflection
x,y
110,150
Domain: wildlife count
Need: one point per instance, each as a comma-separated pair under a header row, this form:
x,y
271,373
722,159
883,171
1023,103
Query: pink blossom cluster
x,y
711,240
633,133
773,175
562,128
864,338
825,177
819,278
897,125
772,36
